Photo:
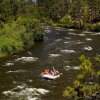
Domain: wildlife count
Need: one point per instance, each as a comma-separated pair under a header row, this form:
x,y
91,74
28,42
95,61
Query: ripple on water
x,y
66,42
67,51
74,42
71,68
58,28
67,38
27,59
81,34
16,71
98,33
88,39
71,33
79,42
87,48
58,40
86,32
71,29
8,64
47,31
54,55
23,92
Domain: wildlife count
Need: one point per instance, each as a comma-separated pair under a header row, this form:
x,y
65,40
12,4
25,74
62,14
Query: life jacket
x,y
52,72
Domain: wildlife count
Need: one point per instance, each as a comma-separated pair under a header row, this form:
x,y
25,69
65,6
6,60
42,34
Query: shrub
x,y
96,28
69,92
88,26
66,21
88,88
32,26
92,27
19,34
81,77
38,33
10,38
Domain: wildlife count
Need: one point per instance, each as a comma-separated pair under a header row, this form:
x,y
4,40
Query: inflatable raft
x,y
49,76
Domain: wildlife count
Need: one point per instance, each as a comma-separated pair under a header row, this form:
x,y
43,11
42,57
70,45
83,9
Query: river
x,y
20,79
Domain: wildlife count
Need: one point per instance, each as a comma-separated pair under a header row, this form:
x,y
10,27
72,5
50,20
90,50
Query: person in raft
x,y
46,71
52,72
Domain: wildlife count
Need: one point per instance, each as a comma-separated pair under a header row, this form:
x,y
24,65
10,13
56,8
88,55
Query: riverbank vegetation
x,y
19,27
83,14
20,20
87,84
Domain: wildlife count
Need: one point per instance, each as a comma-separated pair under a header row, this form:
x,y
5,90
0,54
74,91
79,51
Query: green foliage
x,y
86,65
90,89
10,40
96,28
81,77
69,92
66,21
98,73
76,83
97,58
46,8
8,9
82,87
32,26
19,35
38,33
19,26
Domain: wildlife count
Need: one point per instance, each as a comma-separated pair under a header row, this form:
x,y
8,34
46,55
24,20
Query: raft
x,y
49,76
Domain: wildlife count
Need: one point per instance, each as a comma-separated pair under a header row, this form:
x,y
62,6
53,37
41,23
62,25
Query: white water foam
x,y
71,29
67,51
74,42
58,40
54,55
16,71
71,68
66,42
27,59
47,31
81,34
58,28
29,53
86,32
79,42
88,39
8,64
25,93
22,86
71,33
98,33
88,48
68,38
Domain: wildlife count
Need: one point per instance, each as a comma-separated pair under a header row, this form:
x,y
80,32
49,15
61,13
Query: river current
x,y
20,78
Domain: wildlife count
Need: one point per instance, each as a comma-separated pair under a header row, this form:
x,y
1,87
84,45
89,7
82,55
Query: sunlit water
x,y
20,75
